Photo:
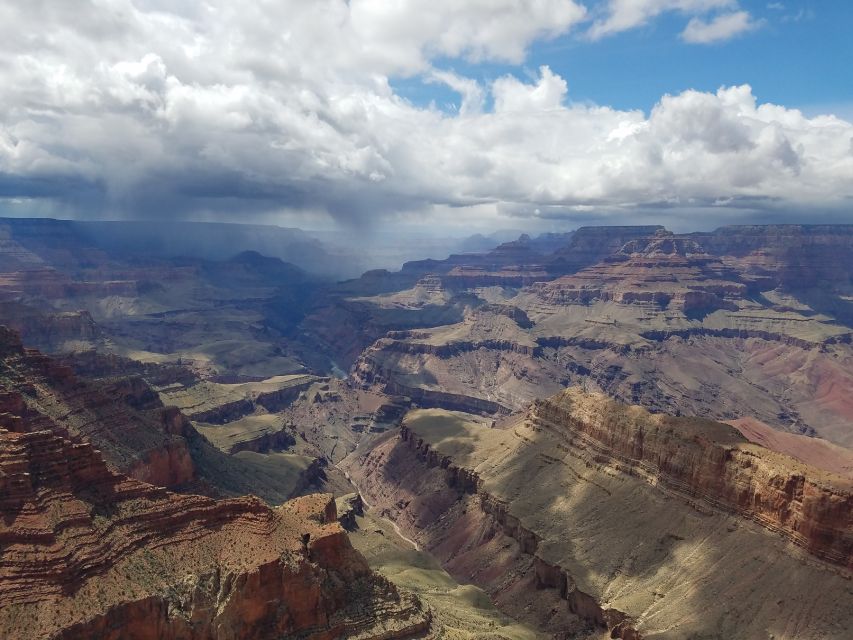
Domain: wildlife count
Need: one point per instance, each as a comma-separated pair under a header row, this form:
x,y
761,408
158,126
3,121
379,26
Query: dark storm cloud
x,y
16,186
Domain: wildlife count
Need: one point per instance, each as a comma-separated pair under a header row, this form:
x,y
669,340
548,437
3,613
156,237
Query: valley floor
x,y
461,611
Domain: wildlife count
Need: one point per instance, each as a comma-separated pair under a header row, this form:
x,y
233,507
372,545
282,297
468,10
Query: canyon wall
x,y
712,463
86,552
619,517
122,416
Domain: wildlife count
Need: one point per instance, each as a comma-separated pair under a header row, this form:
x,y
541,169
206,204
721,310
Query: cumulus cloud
x,y
155,108
473,96
511,94
722,27
480,29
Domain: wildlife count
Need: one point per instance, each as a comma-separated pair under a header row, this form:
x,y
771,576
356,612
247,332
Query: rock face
x,y
514,255
86,552
794,255
53,331
712,324
50,283
662,271
814,452
470,277
333,417
585,511
590,245
260,434
95,365
528,260
369,372
218,403
712,463
137,434
123,417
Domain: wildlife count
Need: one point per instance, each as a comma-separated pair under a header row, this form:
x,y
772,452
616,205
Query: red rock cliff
x,y
86,552
123,417
713,463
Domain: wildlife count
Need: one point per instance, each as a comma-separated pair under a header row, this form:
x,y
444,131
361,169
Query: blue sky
x,y
800,56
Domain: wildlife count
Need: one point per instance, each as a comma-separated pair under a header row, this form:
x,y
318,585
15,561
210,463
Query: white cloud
x,y
155,108
512,95
473,96
622,15
722,27
412,30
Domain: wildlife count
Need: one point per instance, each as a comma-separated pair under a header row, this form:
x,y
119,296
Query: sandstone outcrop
x,y
711,463
86,552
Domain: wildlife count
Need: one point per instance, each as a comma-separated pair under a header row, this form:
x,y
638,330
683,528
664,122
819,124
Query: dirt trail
x,y
377,514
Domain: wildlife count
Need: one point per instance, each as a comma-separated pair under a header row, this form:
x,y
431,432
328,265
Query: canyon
x,y
583,512
609,432
662,322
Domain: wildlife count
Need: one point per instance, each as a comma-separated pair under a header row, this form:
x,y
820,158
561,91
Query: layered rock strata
x,y
793,255
589,245
369,372
122,416
625,518
218,403
663,271
712,324
86,552
52,331
711,463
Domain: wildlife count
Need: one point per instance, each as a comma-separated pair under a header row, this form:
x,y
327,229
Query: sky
x,y
442,115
